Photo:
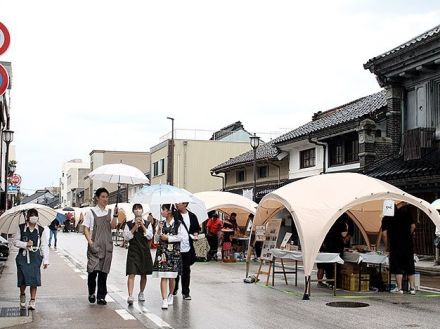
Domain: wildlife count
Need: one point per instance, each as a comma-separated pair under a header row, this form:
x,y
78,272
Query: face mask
x,y
138,212
33,220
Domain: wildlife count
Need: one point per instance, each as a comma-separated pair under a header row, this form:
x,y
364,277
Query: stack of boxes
x,y
350,278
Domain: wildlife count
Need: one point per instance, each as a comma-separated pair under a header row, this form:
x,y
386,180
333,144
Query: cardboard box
x,y
350,282
349,268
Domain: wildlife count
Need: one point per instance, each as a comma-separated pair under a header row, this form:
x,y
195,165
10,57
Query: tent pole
x,y
307,288
248,254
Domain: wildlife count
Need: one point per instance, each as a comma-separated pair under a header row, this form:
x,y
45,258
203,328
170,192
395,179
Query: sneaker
x,y
92,299
165,304
322,285
31,305
186,297
141,297
22,301
102,302
175,292
130,300
412,291
396,291
170,299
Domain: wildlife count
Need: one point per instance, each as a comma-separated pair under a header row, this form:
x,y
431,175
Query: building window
x,y
156,169
343,149
159,167
307,158
335,150
263,171
351,150
241,176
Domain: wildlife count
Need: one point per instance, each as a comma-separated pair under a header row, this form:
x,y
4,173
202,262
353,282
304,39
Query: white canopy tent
x,y
228,203
315,204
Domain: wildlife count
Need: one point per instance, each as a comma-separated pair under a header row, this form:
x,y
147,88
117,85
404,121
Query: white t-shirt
x,y
184,244
89,220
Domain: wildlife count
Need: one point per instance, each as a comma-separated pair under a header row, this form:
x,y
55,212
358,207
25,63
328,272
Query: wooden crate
x,y
350,282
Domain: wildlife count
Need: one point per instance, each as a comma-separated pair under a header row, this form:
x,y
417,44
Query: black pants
x,y
186,273
102,284
213,245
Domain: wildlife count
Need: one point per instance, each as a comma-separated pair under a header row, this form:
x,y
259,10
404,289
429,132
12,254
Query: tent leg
x,y
307,288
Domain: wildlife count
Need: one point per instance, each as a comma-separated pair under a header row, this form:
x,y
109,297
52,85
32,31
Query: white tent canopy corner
x,y
228,203
315,204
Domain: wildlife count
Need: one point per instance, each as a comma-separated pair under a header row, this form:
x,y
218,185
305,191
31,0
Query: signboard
x,y
388,208
4,80
12,189
260,233
249,226
5,39
16,179
271,237
285,240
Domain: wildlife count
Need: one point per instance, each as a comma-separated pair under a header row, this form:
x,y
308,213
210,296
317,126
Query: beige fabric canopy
x,y
315,203
228,203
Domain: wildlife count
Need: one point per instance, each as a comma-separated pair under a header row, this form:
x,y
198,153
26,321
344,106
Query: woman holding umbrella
x,y
32,239
168,262
138,232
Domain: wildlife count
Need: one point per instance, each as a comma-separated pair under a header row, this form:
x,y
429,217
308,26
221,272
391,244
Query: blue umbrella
x,y
61,218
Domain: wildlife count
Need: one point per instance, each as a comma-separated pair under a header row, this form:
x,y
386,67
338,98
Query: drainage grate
x,y
12,312
347,304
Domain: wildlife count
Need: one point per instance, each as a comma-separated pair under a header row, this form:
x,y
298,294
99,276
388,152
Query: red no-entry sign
x,y
5,38
4,79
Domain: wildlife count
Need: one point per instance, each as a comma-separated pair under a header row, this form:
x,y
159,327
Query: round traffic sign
x,y
16,180
4,79
5,38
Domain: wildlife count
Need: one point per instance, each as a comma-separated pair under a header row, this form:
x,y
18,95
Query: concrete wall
x,y
71,167
193,160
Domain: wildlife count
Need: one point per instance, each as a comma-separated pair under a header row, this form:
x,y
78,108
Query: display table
x,y
296,256
369,258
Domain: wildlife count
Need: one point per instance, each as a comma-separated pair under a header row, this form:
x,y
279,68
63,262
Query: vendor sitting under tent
x,y
333,243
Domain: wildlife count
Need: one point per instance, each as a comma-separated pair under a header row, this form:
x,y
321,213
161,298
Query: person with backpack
x,y
32,241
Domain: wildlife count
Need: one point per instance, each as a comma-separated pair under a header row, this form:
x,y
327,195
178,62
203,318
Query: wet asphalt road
x,y
221,300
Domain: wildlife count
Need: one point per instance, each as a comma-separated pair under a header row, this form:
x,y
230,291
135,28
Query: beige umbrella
x,y
15,216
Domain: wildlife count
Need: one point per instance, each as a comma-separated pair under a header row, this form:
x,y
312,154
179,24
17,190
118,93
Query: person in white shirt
x,y
98,225
168,262
138,232
191,227
32,240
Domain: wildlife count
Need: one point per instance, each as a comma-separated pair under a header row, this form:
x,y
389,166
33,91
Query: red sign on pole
x,y
4,79
16,180
5,39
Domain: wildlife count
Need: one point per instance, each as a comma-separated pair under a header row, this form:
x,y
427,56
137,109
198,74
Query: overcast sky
x,y
106,74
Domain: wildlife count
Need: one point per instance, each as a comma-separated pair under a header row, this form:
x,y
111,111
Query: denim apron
x,y
29,261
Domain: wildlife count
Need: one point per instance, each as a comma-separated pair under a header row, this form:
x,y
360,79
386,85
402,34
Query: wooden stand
x,y
268,272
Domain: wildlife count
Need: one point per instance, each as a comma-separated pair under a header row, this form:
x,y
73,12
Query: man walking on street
x,y
53,227
98,225
192,228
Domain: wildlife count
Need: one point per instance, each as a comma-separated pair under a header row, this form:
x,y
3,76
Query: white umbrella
x,y
157,195
15,216
119,173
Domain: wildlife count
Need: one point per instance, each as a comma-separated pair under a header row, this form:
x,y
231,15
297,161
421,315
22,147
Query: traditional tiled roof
x,y
388,169
345,113
432,33
266,151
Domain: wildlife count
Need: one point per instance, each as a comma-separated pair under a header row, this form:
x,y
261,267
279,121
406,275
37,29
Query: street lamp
x,y
255,142
171,155
8,137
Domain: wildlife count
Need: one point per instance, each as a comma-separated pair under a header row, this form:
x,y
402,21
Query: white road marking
x,y
76,270
84,277
154,318
113,288
125,315
109,299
